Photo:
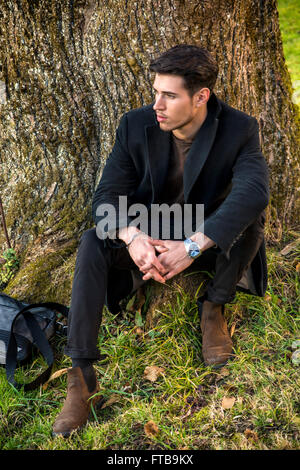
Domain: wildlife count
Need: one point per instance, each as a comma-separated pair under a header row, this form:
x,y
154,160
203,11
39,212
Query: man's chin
x,y
164,126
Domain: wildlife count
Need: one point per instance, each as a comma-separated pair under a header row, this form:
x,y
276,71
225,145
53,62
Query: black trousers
x,y
97,266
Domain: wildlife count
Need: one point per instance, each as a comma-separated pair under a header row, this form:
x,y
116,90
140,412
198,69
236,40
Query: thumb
x,y
156,241
161,249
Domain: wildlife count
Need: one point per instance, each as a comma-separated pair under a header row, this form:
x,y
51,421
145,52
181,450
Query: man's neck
x,y
189,131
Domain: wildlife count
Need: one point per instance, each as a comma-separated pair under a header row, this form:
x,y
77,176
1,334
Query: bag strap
x,y
39,339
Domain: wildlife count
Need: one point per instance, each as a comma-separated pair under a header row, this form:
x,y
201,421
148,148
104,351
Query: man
x,y
188,147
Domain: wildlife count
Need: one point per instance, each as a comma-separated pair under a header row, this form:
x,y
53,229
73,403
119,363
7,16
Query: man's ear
x,y
202,96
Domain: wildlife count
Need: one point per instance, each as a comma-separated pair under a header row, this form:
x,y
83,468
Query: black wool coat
x,y
224,170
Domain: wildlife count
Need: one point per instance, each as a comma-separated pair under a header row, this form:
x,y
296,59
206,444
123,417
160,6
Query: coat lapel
x,y
201,146
158,153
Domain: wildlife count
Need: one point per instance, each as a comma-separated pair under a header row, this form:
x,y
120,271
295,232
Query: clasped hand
x,y
159,259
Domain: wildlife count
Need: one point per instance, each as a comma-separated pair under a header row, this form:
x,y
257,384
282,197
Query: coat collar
x,y
159,146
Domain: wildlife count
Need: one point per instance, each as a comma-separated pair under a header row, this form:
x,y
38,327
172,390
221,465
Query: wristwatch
x,y
192,248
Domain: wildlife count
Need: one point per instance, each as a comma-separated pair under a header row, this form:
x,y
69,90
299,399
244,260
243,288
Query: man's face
x,y
174,107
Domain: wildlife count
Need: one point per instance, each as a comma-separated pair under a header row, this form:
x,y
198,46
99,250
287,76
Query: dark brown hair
x,y
194,64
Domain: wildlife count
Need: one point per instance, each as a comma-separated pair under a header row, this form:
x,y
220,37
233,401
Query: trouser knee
x,y
91,248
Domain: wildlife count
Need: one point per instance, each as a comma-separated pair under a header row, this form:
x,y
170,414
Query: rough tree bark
x,y
68,72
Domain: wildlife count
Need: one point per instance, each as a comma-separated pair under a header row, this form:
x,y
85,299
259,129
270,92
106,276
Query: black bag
x,y
23,326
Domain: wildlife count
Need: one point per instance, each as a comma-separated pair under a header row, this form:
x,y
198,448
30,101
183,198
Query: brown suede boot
x,y
216,341
77,406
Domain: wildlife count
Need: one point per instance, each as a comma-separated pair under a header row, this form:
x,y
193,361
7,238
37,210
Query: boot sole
x,y
62,434
66,434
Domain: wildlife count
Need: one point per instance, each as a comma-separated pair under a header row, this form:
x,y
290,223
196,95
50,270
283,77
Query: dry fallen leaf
x,y
138,331
232,329
224,372
228,403
298,268
290,247
250,434
112,399
56,374
153,372
151,429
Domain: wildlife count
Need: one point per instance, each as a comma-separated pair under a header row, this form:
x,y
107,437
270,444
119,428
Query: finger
x,y
154,277
153,262
145,267
147,276
157,276
153,274
170,275
160,268
161,249
156,242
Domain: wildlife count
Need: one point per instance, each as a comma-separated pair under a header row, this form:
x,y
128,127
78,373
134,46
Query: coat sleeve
x,y
248,197
119,178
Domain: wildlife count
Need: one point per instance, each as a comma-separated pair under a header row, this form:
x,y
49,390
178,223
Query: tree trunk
x,y
71,69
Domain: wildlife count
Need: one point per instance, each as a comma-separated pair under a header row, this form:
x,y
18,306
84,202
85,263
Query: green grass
x,y
186,400
289,17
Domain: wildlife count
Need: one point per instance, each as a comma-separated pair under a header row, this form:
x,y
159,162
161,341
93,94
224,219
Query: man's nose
x,y
159,103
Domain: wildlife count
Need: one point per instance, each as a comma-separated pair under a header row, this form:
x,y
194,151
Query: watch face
x,y
194,250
